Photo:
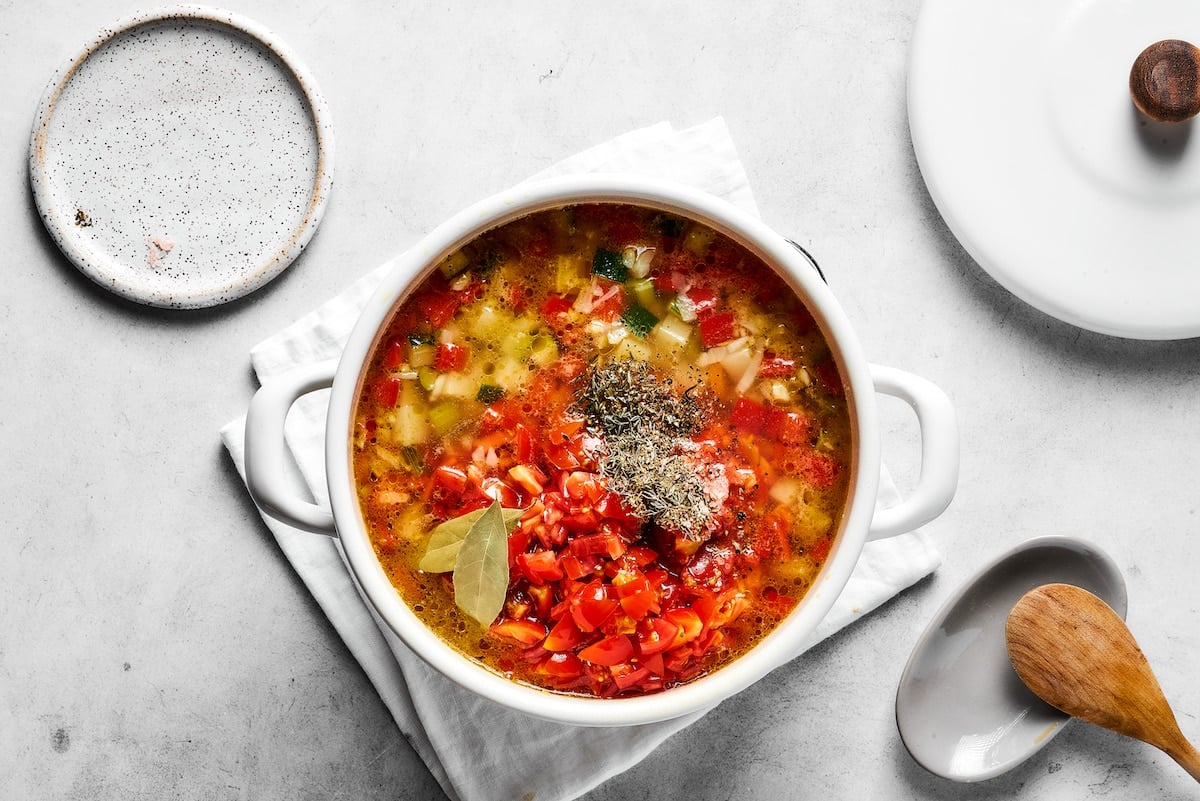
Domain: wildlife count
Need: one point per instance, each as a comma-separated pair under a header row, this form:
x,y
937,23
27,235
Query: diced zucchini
x,y
671,332
643,292
609,264
489,393
639,320
427,376
420,338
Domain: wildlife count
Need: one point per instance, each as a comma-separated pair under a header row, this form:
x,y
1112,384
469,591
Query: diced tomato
x,y
592,606
657,635
543,600
612,650
627,676
517,298
790,428
819,550
827,375
450,479
499,491
438,307
562,664
702,299
716,329
387,391
689,624
749,415
638,598
640,555
820,469
450,357
525,632
711,567
777,366
555,310
609,545
577,568
609,300
565,636
540,566
396,354
527,477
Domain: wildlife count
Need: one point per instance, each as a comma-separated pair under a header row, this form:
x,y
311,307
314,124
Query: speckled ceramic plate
x,y
183,158
1030,145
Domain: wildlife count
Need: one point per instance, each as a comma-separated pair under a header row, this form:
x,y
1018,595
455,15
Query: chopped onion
x,y
638,258
721,352
785,490
751,372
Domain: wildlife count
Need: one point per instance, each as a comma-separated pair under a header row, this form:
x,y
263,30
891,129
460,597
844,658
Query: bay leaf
x,y
441,552
481,569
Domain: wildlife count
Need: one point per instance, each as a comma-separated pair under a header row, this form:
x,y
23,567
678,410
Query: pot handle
x,y
266,452
939,453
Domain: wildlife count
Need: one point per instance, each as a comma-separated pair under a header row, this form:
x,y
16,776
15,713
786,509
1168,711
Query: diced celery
x,y
570,273
643,292
683,309
698,239
444,416
421,355
543,350
671,332
519,345
632,348
454,264
410,459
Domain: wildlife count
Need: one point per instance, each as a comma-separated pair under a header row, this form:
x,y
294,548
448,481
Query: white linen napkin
x,y
477,749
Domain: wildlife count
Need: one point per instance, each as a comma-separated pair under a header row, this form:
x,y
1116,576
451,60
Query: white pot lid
x,y
1032,150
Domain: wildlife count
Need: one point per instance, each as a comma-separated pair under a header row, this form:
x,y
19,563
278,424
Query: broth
x,y
660,416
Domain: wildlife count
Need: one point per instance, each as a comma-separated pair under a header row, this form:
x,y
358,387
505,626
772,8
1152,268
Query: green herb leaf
x,y
481,569
441,552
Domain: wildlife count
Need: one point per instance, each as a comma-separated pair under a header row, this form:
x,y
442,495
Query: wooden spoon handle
x,y
1187,756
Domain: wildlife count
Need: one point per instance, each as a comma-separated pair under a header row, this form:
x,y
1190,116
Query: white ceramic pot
x,y
265,453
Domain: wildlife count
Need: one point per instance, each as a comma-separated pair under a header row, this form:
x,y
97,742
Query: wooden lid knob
x,y
1165,81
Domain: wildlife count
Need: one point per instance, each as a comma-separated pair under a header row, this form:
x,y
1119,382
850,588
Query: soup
x,y
602,450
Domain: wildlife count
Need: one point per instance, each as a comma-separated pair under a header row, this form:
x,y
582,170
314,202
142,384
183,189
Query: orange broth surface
x,y
658,404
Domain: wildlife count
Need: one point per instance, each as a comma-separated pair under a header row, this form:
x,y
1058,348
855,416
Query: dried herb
x,y
645,425
441,552
481,569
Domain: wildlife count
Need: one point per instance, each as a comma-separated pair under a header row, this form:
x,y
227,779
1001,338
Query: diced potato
x,y
405,425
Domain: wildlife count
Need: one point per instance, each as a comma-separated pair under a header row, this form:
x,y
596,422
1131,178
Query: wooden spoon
x,y
1076,654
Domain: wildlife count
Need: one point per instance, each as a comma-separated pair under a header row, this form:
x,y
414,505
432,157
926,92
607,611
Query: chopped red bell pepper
x,y
450,357
716,329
